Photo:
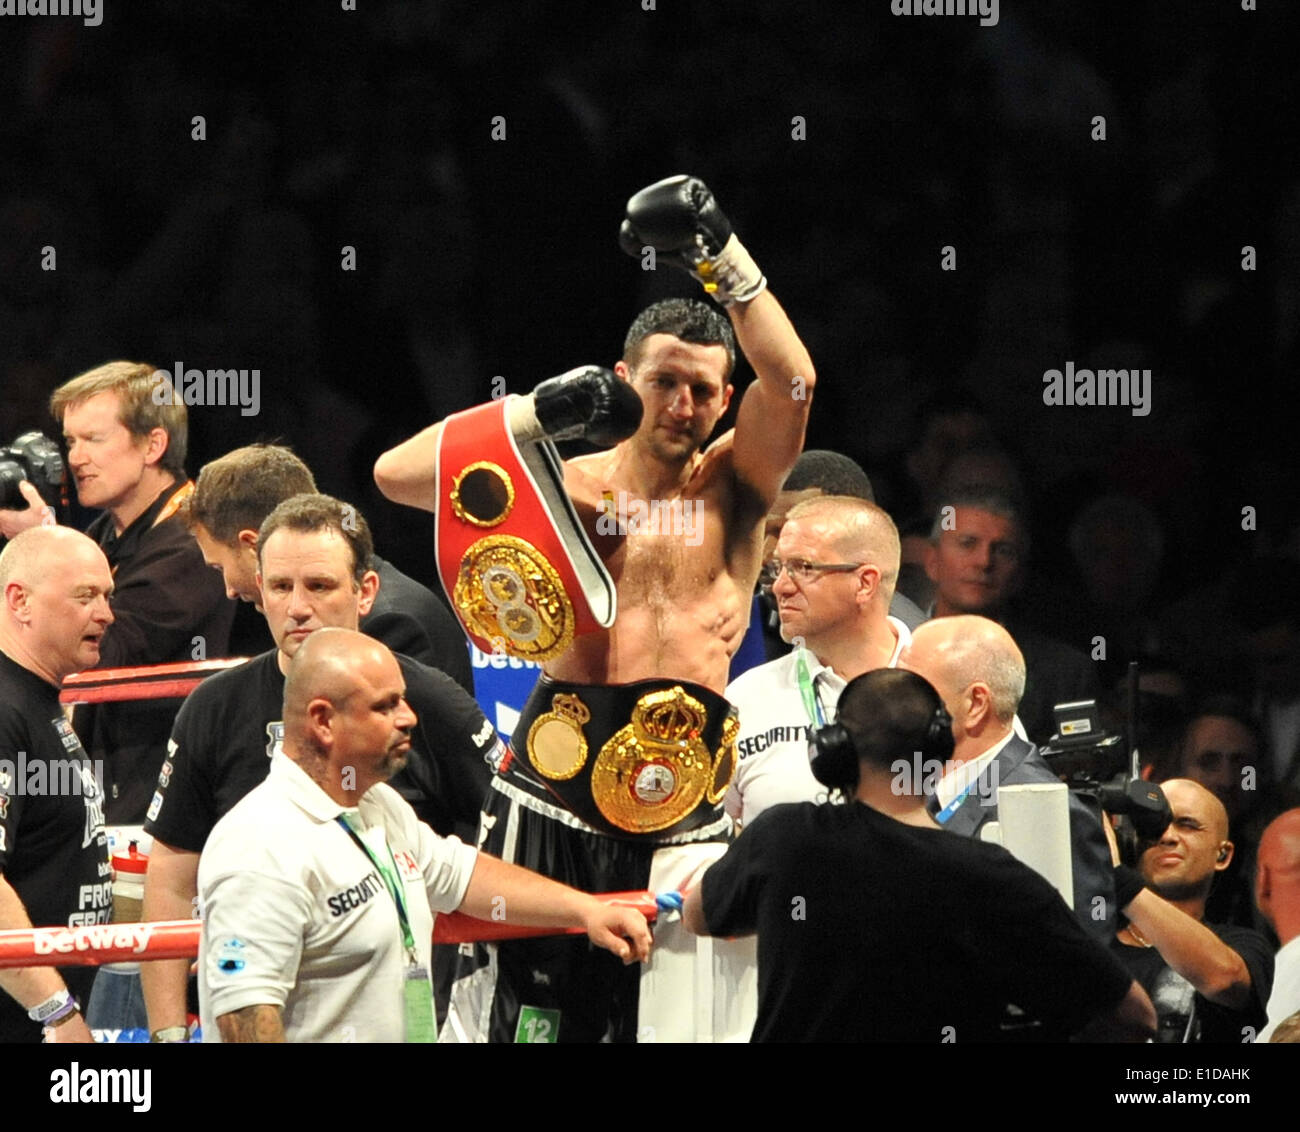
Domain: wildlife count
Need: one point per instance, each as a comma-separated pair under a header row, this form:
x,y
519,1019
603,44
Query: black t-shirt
x,y
167,606
230,726
53,848
872,930
1185,1015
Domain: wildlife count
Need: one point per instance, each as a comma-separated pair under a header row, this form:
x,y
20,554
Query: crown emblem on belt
x,y
669,717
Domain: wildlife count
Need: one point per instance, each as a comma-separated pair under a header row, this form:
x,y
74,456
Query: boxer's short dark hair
x,y
688,319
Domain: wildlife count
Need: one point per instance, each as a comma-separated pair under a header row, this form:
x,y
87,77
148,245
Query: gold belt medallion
x,y
654,771
556,745
509,593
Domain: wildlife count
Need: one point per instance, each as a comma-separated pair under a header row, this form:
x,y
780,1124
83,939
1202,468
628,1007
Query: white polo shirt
x,y
296,915
772,745
1285,999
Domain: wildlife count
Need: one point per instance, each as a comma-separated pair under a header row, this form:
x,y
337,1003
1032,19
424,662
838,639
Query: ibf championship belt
x,y
650,758
522,575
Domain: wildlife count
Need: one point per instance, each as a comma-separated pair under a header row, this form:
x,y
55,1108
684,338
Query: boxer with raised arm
x,y
625,745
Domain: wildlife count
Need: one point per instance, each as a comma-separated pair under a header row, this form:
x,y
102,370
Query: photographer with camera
x,y
126,435
1209,982
980,673
875,925
31,483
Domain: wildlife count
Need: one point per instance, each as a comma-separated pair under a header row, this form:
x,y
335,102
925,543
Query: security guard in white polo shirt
x,y
318,890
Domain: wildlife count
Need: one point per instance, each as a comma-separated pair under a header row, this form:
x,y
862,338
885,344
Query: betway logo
x,y
64,941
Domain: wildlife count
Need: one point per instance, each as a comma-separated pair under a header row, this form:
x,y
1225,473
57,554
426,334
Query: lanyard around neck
x,y
812,701
389,872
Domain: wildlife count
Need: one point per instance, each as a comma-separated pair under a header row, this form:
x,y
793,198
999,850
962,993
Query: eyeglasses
x,y
801,570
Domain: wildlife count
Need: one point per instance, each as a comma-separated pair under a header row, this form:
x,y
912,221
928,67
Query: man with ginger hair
x,y
126,435
980,673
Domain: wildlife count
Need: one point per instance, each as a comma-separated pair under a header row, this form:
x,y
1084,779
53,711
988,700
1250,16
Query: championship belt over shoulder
x,y
522,575
650,758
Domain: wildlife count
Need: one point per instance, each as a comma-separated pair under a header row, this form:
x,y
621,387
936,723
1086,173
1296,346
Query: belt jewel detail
x,y
556,745
654,771
509,593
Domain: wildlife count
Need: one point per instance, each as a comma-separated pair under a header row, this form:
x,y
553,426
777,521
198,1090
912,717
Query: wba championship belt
x,y
650,758
522,575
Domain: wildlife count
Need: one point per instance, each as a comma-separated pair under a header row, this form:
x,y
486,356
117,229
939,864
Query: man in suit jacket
x,y
980,673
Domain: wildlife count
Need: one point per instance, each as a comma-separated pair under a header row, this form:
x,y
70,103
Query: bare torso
x,y
684,566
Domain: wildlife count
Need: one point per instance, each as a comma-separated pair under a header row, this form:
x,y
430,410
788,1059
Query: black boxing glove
x,y
680,219
588,402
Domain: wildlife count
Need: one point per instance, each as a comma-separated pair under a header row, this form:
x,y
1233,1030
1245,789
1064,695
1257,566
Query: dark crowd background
x,y
478,257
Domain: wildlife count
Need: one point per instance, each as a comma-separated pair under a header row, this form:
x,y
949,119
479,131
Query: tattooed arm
x,y
261,1023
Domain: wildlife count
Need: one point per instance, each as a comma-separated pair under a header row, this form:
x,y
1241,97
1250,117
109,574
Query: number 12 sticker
x,y
536,1024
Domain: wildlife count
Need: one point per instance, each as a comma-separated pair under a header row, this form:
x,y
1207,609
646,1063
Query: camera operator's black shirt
x,y
1172,995
872,930
230,726
168,606
53,848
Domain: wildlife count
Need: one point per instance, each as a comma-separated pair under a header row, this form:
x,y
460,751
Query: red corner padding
x,y
144,682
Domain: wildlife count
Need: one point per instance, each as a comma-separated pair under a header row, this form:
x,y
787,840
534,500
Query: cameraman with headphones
x,y
874,924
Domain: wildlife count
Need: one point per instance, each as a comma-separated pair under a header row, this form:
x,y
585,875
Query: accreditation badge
x,y
417,1004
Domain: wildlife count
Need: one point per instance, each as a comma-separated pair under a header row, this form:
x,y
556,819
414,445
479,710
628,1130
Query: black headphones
x,y
834,760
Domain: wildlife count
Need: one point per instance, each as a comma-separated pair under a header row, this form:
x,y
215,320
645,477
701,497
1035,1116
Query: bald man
x,y
980,673
54,870
320,887
1209,982
1277,892
832,580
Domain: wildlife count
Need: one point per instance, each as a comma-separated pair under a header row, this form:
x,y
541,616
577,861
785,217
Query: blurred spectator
x,y
976,561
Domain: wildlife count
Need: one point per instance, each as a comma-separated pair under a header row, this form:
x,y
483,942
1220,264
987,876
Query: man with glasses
x,y
832,581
